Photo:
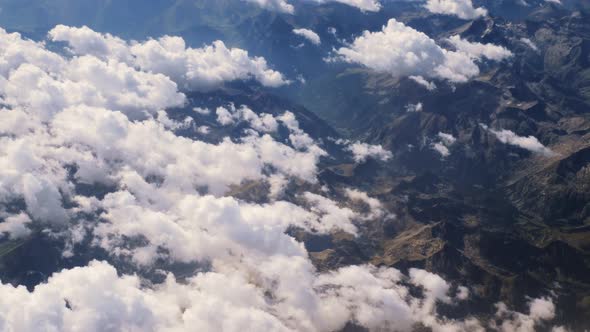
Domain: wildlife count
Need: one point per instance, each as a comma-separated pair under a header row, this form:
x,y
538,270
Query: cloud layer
x,y
98,118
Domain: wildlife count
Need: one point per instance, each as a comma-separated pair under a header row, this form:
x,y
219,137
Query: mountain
x,y
495,215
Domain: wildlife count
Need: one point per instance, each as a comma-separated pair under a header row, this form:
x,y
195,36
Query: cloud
x,y
283,6
441,148
191,68
402,51
92,82
16,226
462,293
479,50
331,213
363,151
530,44
530,143
540,310
397,49
95,297
363,5
460,8
414,107
447,139
262,123
309,35
275,5
430,86
298,138
95,115
374,207
444,143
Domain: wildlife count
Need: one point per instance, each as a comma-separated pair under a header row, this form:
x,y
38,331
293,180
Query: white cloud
x,y
202,111
16,51
461,8
447,139
332,216
261,123
298,138
530,44
204,130
430,86
309,35
462,293
363,151
284,6
16,226
402,51
192,68
68,114
224,116
275,5
436,287
414,107
363,5
444,143
479,50
530,143
540,310
92,82
397,49
84,40
375,208
441,148
95,298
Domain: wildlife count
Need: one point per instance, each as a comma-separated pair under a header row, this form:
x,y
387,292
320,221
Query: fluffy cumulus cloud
x,y
541,310
231,115
461,8
373,208
99,119
530,143
310,35
430,86
16,226
95,297
445,141
362,151
403,51
201,69
479,50
283,6
414,107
